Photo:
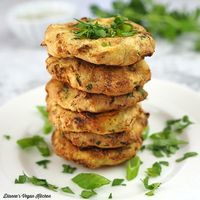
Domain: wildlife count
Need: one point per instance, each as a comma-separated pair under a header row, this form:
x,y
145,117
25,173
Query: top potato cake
x,y
61,42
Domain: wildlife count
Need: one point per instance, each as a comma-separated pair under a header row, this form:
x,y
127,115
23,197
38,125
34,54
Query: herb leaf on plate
x,y
7,137
86,194
165,163
90,181
67,190
117,181
68,169
47,127
155,170
187,155
168,141
152,187
43,163
133,168
35,181
35,141
110,196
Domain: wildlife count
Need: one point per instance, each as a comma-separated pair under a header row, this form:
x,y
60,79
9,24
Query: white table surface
x,y
22,68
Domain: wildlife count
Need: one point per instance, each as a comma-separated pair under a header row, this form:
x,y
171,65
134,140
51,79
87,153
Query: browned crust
x,y
79,101
114,140
99,123
108,80
61,43
93,157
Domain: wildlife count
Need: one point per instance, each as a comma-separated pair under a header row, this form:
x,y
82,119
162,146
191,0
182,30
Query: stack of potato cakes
x,y
93,97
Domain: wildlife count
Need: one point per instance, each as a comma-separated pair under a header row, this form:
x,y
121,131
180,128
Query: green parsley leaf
x,y
142,148
93,30
21,179
68,169
47,127
155,170
187,155
43,163
117,181
67,190
133,168
167,141
35,141
165,163
90,180
152,187
35,181
110,196
7,137
158,19
145,133
86,194
89,86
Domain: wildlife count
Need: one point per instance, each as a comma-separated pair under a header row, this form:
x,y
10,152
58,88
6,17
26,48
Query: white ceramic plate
x,y
166,100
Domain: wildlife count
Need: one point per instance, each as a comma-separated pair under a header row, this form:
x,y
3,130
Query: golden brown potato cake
x,y
92,157
99,79
99,123
79,101
114,140
61,43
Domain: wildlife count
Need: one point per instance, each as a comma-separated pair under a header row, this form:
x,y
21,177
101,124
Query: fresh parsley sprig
x,y
68,169
167,142
90,181
35,181
67,190
186,156
35,141
156,17
151,187
43,163
93,30
132,168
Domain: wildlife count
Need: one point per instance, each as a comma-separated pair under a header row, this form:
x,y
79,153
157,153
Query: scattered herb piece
x,y
43,163
156,17
165,163
93,30
155,170
105,44
7,137
145,133
68,169
142,148
117,181
89,86
140,89
67,190
167,141
86,194
90,181
47,127
187,155
152,187
133,168
21,179
98,142
35,141
35,181
110,196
